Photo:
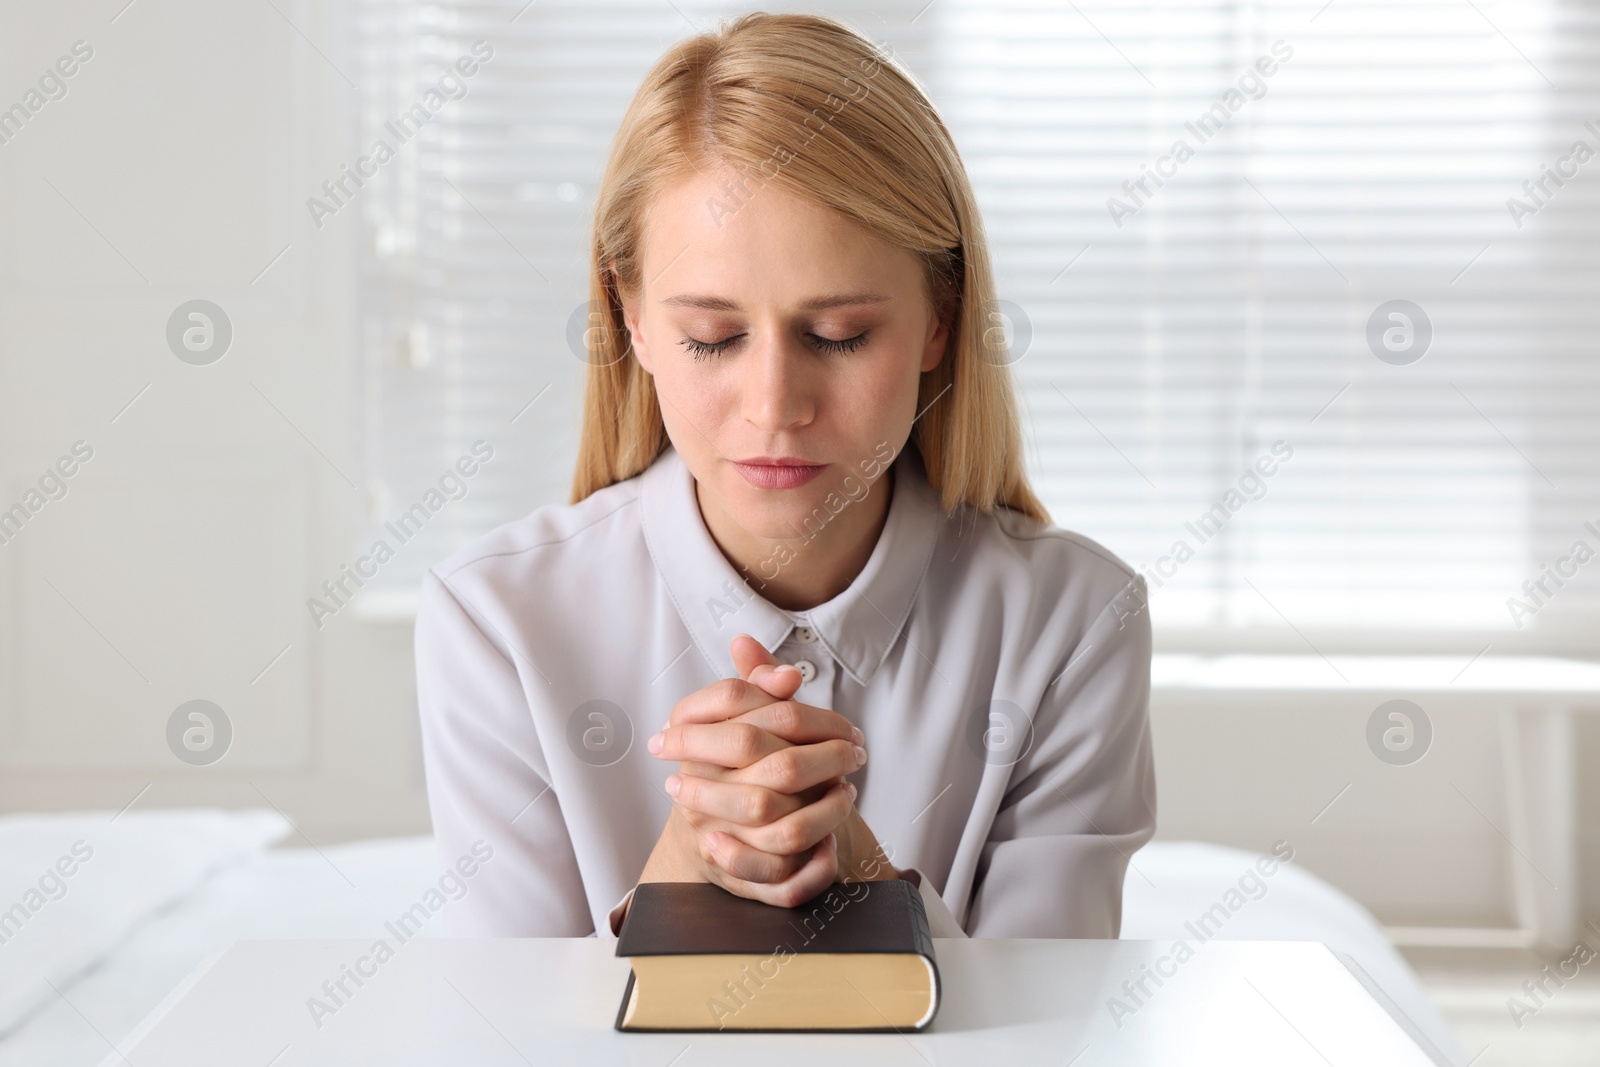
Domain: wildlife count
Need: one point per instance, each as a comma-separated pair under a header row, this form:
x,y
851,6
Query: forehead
x,y
709,232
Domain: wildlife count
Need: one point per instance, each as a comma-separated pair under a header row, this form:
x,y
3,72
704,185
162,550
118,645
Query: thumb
x,y
760,667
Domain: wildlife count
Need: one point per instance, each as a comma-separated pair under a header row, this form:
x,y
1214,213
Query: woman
x,y
800,531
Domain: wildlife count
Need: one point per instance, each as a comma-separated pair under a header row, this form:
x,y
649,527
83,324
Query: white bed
x,y
163,890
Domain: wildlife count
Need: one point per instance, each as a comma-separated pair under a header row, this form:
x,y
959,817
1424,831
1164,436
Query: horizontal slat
x,y
1172,351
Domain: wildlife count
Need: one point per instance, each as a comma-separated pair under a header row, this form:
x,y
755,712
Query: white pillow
x,y
282,893
75,884
1194,891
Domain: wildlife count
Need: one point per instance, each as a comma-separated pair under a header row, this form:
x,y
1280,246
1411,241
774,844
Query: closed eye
x,y
702,349
847,344
705,349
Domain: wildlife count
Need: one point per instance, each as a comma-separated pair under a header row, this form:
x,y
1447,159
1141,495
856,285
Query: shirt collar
x,y
717,601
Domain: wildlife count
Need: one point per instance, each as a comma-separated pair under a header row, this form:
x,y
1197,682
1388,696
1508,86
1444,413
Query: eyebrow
x,y
819,303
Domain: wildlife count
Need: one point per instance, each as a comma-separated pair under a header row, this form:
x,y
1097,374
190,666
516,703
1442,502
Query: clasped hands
x,y
760,802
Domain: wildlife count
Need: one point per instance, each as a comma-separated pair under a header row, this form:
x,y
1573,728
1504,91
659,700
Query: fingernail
x,y
856,735
654,744
861,755
786,667
852,788
833,840
674,783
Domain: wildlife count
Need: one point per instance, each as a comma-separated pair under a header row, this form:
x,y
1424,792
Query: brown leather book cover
x,y
699,918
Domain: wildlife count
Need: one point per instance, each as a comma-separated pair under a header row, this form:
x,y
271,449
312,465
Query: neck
x,y
811,569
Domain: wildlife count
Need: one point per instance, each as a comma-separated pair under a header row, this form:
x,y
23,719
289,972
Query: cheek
x,y
694,399
866,392
885,381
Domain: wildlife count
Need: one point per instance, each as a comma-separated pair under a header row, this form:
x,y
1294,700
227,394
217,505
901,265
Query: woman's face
x,y
778,329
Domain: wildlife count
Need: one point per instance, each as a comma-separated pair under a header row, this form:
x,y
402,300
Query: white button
x,y
805,635
808,670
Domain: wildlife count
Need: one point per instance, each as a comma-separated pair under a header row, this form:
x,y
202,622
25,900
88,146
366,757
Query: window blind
x,y
1300,296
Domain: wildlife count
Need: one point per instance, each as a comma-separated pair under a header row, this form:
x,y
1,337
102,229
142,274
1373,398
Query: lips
x,y
766,472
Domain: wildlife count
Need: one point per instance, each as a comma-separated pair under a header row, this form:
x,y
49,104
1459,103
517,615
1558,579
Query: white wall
x,y
177,566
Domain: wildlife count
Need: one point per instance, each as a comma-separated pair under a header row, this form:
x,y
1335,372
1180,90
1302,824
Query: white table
x,y
1533,698
553,1001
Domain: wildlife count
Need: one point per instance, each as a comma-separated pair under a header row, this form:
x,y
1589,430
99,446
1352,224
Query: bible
x,y
857,957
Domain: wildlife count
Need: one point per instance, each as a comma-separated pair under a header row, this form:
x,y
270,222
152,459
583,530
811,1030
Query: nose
x,y
777,387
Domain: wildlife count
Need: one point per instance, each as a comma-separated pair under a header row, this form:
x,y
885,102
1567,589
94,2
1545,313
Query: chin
x,y
775,514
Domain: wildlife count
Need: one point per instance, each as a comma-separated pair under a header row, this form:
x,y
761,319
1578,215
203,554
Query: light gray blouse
x,y
1000,671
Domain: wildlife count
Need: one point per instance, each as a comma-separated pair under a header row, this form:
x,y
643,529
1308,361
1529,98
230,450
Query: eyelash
x,y
704,349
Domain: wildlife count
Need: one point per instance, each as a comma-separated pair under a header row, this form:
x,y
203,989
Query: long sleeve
x,y
1082,800
488,780
519,631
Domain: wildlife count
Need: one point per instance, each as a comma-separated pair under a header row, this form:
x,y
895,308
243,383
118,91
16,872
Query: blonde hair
x,y
808,104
